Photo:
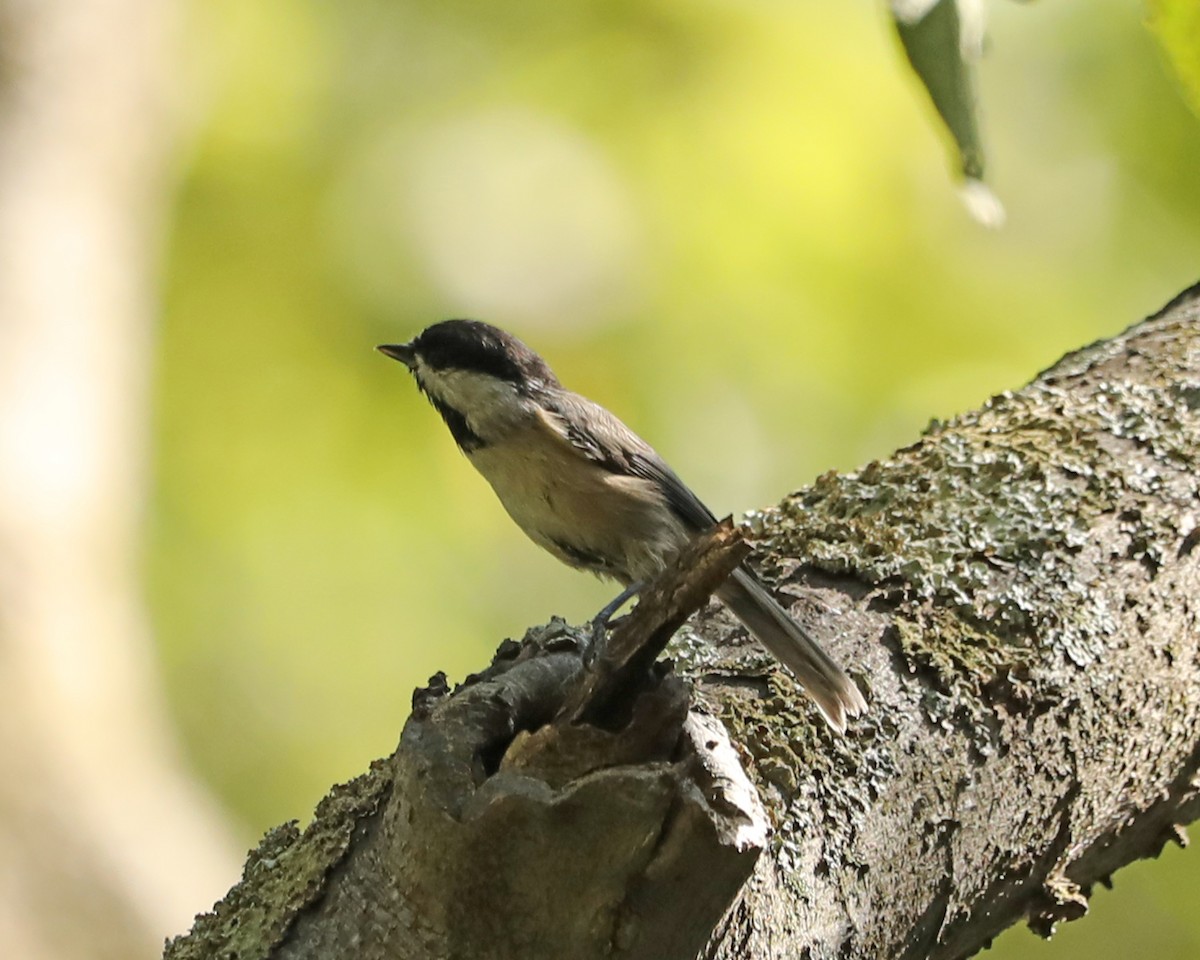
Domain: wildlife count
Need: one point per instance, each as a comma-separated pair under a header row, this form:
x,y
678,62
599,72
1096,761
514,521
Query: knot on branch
x,y
542,753
540,710
1061,899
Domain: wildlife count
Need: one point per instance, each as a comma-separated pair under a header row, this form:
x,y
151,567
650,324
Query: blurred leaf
x,y
941,40
1176,23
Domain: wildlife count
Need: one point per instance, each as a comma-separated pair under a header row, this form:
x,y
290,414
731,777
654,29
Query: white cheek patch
x,y
490,406
472,392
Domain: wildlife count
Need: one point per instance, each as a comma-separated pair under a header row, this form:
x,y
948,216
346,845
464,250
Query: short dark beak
x,y
399,351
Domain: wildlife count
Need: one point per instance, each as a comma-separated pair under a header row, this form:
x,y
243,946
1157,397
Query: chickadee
x,y
585,487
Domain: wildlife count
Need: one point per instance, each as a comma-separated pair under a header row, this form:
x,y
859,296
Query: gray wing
x,y
602,438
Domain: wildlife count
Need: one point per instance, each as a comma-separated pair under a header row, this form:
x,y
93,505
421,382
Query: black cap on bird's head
x,y
475,347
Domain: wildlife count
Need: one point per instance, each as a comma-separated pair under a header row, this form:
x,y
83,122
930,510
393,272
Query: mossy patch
x,y
283,874
988,515
1000,547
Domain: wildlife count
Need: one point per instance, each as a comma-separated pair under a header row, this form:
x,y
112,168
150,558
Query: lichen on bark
x,y
1022,574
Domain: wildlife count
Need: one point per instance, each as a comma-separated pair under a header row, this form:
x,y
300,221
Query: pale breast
x,y
585,515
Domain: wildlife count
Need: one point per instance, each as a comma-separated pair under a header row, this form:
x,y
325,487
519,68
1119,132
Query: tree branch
x,y
1015,590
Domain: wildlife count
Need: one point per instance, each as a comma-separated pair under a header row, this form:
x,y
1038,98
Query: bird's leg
x,y
601,619
599,624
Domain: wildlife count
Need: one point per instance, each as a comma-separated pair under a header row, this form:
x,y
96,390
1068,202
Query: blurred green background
x,y
732,223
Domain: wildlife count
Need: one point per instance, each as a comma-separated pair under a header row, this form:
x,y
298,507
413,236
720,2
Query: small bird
x,y
586,488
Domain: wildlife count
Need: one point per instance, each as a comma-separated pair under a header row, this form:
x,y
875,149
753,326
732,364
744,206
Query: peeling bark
x,y
1016,592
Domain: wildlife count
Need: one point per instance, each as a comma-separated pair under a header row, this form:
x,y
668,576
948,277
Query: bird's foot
x,y
598,628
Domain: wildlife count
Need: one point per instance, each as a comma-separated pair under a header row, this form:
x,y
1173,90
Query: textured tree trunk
x,y
105,841
1016,592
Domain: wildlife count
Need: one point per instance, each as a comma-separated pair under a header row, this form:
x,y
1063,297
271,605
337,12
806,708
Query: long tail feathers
x,y
834,693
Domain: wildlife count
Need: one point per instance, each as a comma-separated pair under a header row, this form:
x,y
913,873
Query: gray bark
x,y
1016,594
